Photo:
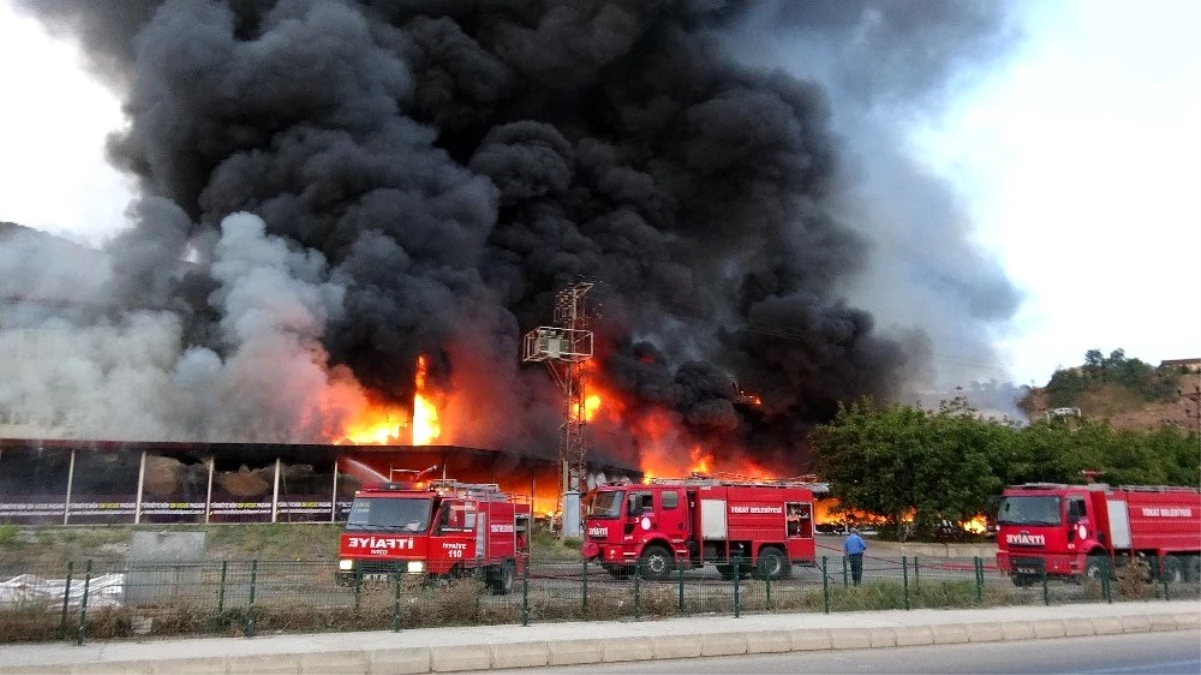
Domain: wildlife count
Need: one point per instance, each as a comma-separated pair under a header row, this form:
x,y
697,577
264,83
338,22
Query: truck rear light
x,y
346,565
416,566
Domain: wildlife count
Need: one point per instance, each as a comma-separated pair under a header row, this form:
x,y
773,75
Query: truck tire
x,y
656,563
1173,570
1192,570
502,578
772,564
1024,580
1095,567
727,571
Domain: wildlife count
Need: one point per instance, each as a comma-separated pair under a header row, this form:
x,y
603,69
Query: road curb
x,y
551,652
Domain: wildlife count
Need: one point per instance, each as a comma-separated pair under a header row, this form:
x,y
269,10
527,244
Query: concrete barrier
x,y
539,653
520,655
950,634
573,652
460,657
850,638
333,663
724,644
616,650
768,642
911,636
676,646
810,639
404,661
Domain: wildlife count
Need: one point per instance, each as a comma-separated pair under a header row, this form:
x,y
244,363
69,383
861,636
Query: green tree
x,y
898,460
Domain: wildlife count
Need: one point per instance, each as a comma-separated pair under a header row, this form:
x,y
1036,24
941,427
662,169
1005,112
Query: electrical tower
x,y
564,347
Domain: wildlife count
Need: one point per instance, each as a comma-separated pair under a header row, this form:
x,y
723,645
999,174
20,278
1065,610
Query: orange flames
x,y
382,424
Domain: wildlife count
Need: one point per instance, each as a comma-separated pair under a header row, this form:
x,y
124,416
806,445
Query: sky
x,y
1078,160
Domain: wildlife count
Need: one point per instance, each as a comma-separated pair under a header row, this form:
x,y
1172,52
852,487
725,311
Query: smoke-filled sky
x,y
819,200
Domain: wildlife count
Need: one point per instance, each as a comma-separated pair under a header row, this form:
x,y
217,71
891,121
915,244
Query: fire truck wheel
x,y
1023,580
1173,570
1094,567
502,579
772,564
656,563
1193,569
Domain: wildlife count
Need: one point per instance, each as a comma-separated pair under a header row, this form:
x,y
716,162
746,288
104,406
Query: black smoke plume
x,y
425,175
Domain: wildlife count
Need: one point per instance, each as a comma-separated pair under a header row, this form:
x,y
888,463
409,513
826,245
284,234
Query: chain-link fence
x,y
101,600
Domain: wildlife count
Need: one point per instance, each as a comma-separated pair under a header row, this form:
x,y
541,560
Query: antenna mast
x,y
564,347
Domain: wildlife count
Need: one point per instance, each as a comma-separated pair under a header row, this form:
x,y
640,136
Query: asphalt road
x,y
1178,652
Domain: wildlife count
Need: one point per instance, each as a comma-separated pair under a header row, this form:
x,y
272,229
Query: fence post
x,y
221,588
525,592
62,623
358,589
845,582
680,576
396,603
825,587
584,600
638,591
1105,586
254,577
737,580
905,578
83,604
767,587
978,564
1046,591
917,576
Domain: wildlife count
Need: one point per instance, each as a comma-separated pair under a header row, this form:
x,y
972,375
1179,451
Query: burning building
x,y
349,214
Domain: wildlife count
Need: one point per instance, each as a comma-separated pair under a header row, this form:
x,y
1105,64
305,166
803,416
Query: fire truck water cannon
x,y
438,529
741,525
1076,532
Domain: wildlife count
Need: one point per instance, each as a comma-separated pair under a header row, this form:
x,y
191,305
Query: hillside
x,y
1125,407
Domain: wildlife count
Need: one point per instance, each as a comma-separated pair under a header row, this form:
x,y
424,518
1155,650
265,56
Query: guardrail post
x,y
396,602
638,591
525,592
905,579
62,622
680,577
584,587
83,604
737,579
221,588
254,577
825,587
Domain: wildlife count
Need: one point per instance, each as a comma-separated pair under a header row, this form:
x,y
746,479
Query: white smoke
x,y
136,378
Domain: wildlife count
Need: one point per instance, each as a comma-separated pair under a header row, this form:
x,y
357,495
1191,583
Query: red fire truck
x,y
1077,531
439,528
766,525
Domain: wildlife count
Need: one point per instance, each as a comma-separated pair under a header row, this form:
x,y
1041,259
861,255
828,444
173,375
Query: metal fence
x,y
106,599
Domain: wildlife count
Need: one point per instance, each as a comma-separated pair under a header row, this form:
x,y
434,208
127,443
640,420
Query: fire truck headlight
x,y
416,566
346,565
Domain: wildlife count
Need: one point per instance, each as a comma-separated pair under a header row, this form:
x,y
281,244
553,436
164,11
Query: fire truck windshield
x,y
397,515
607,504
1029,511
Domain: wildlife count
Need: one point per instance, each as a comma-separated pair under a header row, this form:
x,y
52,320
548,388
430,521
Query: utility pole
x,y
564,348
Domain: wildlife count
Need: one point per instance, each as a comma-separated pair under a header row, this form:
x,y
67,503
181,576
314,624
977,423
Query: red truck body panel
x,y
1059,528
446,527
701,520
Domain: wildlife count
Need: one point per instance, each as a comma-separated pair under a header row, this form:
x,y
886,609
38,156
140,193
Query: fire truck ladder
x,y
808,482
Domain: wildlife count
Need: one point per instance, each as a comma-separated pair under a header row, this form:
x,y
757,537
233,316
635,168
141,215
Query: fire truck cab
x,y
1077,531
441,528
766,525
